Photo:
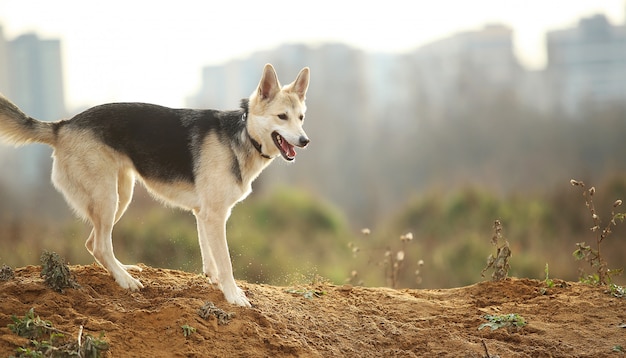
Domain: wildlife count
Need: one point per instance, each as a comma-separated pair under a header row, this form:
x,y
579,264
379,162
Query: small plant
x,y
187,330
354,278
593,256
617,291
47,341
209,309
92,346
394,261
30,326
500,262
354,274
418,273
306,293
548,281
56,273
504,320
6,273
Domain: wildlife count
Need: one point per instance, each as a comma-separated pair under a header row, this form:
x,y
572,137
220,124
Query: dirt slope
x,y
574,320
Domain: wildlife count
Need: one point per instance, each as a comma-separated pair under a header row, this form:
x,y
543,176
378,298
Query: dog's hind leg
x,y
125,186
92,190
102,216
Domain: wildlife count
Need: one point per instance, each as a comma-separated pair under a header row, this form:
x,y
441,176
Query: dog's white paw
x,y
237,297
128,282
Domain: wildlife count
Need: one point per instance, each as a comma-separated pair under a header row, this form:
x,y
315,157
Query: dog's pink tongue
x,y
288,148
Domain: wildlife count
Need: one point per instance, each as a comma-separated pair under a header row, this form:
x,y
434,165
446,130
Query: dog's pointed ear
x,y
301,84
269,85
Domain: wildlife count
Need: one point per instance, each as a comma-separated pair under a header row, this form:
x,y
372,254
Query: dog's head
x,y
276,114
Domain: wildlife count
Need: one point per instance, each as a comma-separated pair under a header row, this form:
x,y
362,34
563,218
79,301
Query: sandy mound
x,y
572,320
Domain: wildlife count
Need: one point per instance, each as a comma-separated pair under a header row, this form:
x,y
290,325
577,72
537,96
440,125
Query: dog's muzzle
x,y
287,149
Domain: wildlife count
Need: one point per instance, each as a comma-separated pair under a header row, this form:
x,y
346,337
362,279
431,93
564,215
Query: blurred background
x,y
431,119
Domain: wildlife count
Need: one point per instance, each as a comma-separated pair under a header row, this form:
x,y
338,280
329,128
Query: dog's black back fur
x,y
163,143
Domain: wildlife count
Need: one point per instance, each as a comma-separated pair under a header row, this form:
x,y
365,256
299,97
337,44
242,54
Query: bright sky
x,y
147,50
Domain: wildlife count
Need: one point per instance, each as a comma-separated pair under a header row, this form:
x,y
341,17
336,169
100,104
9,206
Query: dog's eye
x,y
301,117
282,116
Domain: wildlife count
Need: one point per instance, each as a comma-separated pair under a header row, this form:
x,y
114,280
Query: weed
x,y
499,263
6,273
617,291
56,273
354,274
30,326
418,273
504,320
354,279
306,293
393,262
209,309
187,330
593,256
548,281
47,341
91,346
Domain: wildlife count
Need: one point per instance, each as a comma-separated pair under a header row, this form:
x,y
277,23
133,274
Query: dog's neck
x,y
255,144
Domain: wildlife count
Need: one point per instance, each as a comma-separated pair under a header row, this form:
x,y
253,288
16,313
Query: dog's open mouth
x,y
285,148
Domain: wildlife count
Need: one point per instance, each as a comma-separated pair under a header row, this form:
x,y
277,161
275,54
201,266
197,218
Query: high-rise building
x,y
460,67
31,76
587,64
36,76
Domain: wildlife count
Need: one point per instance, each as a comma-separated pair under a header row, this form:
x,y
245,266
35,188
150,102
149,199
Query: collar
x,y
255,144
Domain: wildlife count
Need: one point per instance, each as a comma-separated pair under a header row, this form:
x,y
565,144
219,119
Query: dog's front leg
x,y
212,235
208,262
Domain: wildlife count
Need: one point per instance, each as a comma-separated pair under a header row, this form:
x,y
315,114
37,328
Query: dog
x,y
200,160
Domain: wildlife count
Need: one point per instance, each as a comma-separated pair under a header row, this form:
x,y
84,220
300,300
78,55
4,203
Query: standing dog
x,y
199,160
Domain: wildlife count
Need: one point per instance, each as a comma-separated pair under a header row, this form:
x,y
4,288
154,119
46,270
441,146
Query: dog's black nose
x,y
304,141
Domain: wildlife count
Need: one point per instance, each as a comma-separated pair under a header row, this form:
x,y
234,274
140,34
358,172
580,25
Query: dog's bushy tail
x,y
17,128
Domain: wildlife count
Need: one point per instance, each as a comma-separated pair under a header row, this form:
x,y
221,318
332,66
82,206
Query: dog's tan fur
x,y
98,180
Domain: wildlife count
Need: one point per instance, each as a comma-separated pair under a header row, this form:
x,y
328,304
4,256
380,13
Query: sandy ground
x,y
323,320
